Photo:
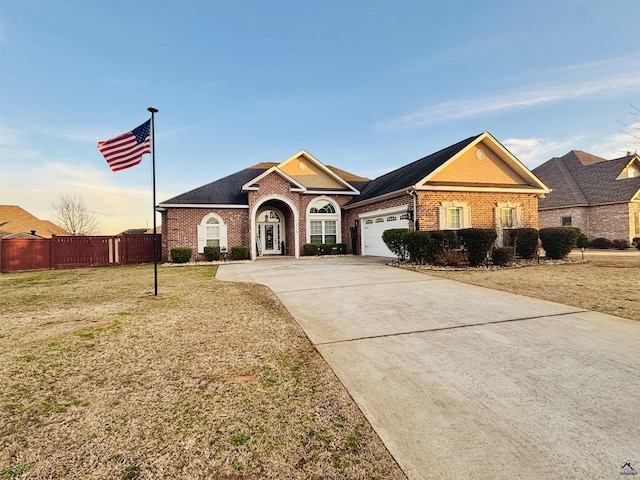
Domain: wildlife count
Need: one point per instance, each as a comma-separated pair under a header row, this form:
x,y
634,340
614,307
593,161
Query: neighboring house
x,y
601,197
275,208
14,219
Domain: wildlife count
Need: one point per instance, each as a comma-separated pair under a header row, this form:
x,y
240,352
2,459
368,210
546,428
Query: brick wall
x,y
602,221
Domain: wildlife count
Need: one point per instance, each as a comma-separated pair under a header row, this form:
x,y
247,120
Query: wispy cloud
x,y
534,151
617,145
611,77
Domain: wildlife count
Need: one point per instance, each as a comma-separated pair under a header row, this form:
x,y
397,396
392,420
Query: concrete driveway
x,y
461,381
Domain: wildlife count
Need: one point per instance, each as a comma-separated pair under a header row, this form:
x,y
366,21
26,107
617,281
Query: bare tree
x,y
633,130
71,213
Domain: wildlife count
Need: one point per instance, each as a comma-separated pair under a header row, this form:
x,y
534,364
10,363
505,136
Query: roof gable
x,y
313,174
14,219
576,183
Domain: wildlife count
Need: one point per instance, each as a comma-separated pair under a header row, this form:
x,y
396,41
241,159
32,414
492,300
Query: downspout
x,y
414,193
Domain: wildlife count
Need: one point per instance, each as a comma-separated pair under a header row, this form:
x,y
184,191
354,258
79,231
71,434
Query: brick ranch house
x,y
275,208
601,197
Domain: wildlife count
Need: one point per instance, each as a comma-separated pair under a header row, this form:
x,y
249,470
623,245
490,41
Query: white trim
x,y
325,192
320,165
275,169
384,211
200,205
462,188
337,216
253,218
201,230
380,198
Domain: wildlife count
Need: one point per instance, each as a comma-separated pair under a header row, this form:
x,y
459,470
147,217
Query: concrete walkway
x,y
465,382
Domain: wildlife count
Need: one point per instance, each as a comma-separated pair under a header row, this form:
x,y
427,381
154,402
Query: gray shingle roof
x,y
580,179
409,175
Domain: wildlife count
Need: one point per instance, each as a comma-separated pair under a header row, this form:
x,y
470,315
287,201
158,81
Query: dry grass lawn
x,y
102,380
605,282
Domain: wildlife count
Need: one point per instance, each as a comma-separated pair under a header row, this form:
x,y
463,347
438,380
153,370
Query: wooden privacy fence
x,y
70,252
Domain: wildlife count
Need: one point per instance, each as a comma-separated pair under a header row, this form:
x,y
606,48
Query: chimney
x,y
33,232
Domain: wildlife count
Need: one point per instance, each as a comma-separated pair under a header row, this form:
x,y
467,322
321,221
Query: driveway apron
x,y
462,381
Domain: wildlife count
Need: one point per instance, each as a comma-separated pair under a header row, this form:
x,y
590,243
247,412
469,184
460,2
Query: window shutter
x,y
498,216
442,218
201,238
518,221
466,215
223,235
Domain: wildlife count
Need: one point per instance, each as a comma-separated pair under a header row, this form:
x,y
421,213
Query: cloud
x,y
618,144
535,151
612,77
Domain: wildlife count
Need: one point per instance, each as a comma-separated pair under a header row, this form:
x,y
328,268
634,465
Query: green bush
x,y
582,241
212,254
181,254
310,249
478,242
419,246
326,248
526,242
601,243
636,242
395,241
341,248
620,244
444,240
239,253
503,256
558,241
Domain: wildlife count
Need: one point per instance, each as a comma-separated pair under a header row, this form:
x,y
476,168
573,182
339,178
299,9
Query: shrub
x,y
582,241
525,241
444,240
326,248
239,253
636,242
503,255
212,254
449,258
477,241
419,246
558,241
394,240
601,243
181,254
620,244
310,249
341,248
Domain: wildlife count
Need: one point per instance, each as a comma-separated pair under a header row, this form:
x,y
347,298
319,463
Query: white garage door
x,y
372,229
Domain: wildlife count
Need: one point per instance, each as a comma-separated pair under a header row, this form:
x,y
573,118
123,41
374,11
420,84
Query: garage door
x,y
372,229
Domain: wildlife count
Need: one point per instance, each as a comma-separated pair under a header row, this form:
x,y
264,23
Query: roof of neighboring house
x,y
14,219
228,190
581,179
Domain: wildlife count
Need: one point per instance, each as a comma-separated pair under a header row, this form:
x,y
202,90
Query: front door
x,y
269,238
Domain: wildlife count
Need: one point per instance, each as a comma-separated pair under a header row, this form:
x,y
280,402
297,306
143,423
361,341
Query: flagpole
x,y
154,110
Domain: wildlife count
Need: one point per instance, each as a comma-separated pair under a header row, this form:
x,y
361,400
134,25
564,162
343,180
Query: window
x,y
212,233
454,216
369,222
379,220
566,221
323,221
404,216
506,217
636,216
392,219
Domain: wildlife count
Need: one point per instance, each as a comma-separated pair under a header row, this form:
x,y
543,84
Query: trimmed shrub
x,y
449,258
444,240
558,241
526,242
477,241
636,242
326,248
582,241
620,244
181,254
395,241
601,243
503,256
419,246
341,248
239,253
212,254
310,249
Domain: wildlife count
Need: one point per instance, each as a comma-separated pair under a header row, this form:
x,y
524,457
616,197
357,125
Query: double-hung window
x,y
323,222
454,216
212,233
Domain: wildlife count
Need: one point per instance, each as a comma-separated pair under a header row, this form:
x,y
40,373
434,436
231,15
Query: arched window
x,y
212,232
323,222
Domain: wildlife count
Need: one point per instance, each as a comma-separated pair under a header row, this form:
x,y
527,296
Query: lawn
x,y
100,379
607,282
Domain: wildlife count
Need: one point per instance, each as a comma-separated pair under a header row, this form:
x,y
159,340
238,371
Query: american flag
x,y
126,150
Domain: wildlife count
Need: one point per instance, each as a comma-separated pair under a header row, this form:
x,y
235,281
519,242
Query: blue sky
x,y
366,86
